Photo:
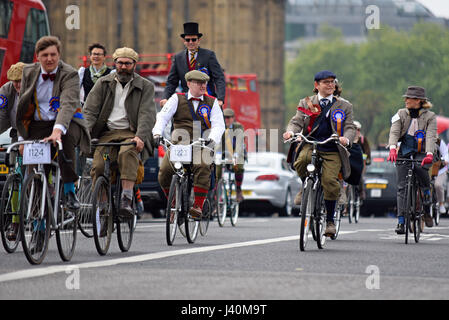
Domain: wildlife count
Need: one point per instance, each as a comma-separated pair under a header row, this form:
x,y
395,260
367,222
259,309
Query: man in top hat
x,y
195,58
415,126
186,110
233,146
49,108
120,108
320,116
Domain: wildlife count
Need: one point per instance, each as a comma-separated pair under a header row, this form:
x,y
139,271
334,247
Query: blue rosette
x,y
54,104
204,112
338,116
3,101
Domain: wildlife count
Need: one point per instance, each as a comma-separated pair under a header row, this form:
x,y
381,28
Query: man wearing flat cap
x,y
9,99
186,110
120,108
320,116
415,126
233,147
195,58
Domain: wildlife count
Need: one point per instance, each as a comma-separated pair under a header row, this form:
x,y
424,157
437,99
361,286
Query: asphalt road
x,y
257,260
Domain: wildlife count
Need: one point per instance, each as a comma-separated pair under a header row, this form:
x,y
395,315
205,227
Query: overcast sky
x,y
440,8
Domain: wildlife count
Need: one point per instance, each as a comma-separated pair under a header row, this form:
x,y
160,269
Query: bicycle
x,y
43,206
106,198
84,194
226,193
354,203
313,209
10,200
435,206
414,202
181,196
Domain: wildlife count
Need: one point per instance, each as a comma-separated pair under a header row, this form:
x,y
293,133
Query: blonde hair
x,y
426,104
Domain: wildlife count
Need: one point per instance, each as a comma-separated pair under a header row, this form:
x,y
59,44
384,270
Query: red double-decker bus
x,y
22,23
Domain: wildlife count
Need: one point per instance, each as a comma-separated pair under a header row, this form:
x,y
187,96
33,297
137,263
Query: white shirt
x,y
330,98
170,108
44,91
118,118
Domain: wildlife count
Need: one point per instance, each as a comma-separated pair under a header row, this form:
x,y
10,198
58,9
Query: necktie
x,y
324,103
192,60
50,76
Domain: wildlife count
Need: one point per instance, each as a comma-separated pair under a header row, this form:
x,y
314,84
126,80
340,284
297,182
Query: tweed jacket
x,y
139,105
300,123
206,58
9,92
426,121
66,87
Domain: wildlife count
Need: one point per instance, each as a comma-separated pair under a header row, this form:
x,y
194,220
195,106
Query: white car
x,y
269,184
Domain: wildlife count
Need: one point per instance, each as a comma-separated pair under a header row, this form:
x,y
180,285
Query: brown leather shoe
x,y
196,213
428,220
330,229
126,209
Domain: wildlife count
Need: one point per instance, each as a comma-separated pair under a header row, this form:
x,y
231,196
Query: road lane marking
x,y
43,271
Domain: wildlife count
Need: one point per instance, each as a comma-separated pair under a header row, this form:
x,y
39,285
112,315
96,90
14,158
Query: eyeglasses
x,y
326,82
127,64
200,83
97,54
190,39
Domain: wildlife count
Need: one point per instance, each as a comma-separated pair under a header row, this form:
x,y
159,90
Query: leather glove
x,y
393,155
427,160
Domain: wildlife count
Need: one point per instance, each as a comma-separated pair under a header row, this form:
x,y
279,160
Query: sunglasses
x,y
191,39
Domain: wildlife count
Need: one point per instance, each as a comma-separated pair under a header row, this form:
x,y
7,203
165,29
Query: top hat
x,y
191,29
415,92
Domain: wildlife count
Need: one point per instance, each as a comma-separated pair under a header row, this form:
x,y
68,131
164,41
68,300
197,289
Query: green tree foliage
x,y
375,74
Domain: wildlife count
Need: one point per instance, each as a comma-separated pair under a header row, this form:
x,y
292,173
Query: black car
x,y
152,195
380,185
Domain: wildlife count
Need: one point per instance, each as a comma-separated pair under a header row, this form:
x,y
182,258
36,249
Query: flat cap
x,y
15,71
228,112
324,75
196,75
125,53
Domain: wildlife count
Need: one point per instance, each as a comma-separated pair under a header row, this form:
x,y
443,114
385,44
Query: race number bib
x,y
180,153
36,153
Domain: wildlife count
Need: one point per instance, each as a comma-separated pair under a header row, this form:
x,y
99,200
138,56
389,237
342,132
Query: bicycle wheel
x,y
173,210
320,222
67,222
234,212
84,194
418,216
9,212
307,207
204,223
357,205
408,211
435,207
222,203
102,218
337,220
125,229
191,225
34,226
351,203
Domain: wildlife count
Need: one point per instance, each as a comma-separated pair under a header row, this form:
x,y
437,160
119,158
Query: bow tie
x,y
195,99
50,76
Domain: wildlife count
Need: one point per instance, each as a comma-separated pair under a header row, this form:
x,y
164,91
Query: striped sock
x,y
200,196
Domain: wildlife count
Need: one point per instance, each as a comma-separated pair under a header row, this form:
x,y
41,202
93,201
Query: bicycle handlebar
x,y
23,142
167,143
95,143
295,137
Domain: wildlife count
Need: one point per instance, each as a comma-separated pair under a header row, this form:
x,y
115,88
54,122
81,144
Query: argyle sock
x,y
200,196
